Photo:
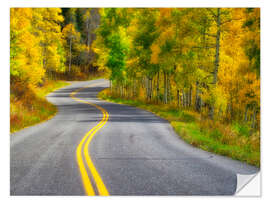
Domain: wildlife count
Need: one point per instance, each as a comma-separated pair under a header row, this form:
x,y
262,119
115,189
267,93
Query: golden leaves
x,y
35,41
155,52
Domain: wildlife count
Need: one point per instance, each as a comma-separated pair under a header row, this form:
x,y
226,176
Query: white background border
x,y
265,92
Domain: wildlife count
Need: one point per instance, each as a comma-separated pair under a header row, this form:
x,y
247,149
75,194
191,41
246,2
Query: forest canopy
x,y
204,59
51,42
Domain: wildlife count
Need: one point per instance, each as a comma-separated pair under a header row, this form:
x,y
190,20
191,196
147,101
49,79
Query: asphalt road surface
x,y
134,153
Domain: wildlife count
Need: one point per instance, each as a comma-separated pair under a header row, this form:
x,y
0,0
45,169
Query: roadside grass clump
x,y
241,129
233,140
30,107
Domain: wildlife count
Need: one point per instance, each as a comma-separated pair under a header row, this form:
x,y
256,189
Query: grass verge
x,y
33,107
232,140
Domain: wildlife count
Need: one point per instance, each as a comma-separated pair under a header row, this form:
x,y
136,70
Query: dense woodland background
x,y
47,45
202,60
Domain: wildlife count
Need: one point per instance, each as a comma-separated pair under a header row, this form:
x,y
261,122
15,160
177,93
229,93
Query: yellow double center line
x,y
86,141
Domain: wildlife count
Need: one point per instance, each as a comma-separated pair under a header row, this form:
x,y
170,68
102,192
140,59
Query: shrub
x,y
241,129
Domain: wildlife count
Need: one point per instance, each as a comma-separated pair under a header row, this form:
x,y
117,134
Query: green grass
x,y
33,107
210,141
241,129
234,140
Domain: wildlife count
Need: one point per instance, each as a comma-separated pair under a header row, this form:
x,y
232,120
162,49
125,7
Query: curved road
x,y
134,153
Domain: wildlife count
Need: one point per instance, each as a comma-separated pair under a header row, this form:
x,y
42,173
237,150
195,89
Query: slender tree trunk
x,y
217,46
246,112
232,110
150,94
181,99
120,88
147,89
150,89
219,113
178,98
212,109
111,85
253,125
88,34
201,104
158,87
70,44
169,88
88,41
133,87
187,98
184,99
165,88
44,53
190,96
197,102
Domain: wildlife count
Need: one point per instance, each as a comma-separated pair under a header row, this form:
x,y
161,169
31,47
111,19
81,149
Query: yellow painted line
x,y
88,136
85,179
100,185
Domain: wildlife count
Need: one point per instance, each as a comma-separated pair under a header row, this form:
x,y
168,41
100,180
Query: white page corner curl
x,y
248,185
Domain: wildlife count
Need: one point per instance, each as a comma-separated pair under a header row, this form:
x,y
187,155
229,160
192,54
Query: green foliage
x,y
216,134
186,117
114,43
210,57
116,60
241,129
252,41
